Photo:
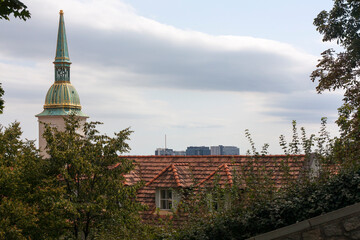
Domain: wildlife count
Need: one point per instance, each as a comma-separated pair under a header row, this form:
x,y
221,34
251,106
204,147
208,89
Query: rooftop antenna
x,y
165,146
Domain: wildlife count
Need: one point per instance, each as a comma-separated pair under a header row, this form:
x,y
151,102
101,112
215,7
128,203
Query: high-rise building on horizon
x,y
199,151
179,153
164,152
193,151
168,152
224,150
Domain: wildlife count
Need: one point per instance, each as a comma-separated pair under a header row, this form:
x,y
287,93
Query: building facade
x,y
168,152
224,150
197,151
62,98
164,152
231,150
179,153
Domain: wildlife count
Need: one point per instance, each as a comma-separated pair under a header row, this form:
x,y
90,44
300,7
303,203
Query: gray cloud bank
x,y
121,48
166,57
305,106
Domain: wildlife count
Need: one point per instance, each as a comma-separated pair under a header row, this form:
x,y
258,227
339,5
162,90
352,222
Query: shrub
x,y
295,204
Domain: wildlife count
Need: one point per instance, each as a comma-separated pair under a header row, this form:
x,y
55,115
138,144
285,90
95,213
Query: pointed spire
x,y
62,98
62,59
62,53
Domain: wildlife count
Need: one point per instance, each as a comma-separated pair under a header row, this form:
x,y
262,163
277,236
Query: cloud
x,y
197,125
110,37
304,106
133,71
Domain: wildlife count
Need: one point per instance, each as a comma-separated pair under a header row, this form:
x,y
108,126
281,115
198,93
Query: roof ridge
x,y
158,175
228,173
211,174
181,164
176,175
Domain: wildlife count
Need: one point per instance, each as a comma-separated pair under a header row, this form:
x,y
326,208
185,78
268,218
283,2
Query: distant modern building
x,y
179,153
225,150
164,152
193,151
231,150
199,151
216,150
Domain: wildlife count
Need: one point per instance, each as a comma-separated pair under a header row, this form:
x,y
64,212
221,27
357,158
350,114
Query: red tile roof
x,y
223,171
185,171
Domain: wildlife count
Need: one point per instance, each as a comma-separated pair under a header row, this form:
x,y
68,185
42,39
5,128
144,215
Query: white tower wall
x,y
54,121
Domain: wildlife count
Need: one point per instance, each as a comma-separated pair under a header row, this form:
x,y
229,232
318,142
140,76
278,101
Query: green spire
x,y
62,53
62,59
62,97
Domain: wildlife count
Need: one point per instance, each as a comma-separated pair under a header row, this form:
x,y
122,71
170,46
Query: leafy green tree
x,y
78,192
340,70
8,7
90,170
29,209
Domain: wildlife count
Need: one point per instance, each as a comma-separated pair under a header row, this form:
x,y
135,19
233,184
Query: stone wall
x,y
337,225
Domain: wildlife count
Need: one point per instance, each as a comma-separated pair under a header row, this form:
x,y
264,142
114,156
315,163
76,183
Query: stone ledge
x,y
309,223
340,213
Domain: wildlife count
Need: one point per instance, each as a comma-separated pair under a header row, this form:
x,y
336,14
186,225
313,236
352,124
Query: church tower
x,y
62,98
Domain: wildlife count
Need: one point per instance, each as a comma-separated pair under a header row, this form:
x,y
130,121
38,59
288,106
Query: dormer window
x,y
219,201
169,184
166,199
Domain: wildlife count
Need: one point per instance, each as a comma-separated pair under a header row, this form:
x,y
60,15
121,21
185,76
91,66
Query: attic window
x,y
219,201
166,199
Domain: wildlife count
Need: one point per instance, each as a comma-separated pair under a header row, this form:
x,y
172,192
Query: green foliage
x,y
298,203
76,193
341,71
28,207
253,151
303,144
8,7
89,169
318,148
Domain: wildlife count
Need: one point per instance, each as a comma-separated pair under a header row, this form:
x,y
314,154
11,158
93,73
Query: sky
x,y
199,72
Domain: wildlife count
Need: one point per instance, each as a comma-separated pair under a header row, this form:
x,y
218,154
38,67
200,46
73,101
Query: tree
x,y
342,71
8,7
29,209
87,165
77,193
